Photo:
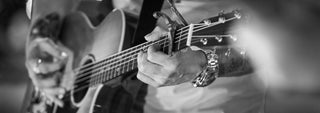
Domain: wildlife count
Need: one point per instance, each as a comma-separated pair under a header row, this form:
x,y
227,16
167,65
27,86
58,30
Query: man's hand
x,y
45,61
159,69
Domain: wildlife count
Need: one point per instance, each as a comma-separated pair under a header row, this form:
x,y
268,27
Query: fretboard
x,y
126,61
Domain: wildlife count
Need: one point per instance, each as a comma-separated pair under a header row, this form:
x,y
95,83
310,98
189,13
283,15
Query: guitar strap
x,y
146,21
146,24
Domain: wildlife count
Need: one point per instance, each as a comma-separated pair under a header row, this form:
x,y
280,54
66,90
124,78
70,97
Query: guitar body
x,y
89,44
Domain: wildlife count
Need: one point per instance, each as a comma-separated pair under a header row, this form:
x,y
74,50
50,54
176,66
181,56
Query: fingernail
x,y
148,36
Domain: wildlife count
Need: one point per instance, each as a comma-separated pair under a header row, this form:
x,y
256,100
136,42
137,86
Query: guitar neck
x,y
200,35
126,61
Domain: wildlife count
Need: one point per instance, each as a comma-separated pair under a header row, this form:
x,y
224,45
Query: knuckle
x,y
150,57
172,66
141,68
140,76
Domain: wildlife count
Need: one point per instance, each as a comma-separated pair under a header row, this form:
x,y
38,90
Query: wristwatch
x,y
211,71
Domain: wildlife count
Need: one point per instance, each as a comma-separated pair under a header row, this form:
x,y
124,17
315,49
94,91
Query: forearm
x,y
232,62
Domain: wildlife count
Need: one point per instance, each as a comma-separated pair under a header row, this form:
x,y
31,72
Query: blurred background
x,y
14,25
13,75
294,49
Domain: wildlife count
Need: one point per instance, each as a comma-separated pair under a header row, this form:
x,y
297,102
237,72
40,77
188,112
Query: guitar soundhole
x,y
82,82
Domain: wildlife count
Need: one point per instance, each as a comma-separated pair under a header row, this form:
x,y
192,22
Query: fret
x,y
102,75
117,68
126,66
111,72
98,77
108,75
164,45
105,74
121,67
90,81
132,64
179,39
94,80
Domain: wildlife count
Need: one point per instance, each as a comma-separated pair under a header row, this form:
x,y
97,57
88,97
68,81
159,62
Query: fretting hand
x,y
159,69
45,61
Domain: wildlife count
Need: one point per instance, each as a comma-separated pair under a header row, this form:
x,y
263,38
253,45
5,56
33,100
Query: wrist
x,y
210,71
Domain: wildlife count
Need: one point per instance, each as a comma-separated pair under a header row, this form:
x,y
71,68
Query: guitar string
x,y
80,88
123,65
110,66
105,77
94,80
85,72
82,72
116,61
111,56
89,85
112,69
79,76
84,67
200,25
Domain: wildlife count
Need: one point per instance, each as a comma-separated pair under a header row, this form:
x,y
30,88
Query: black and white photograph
x,y
159,56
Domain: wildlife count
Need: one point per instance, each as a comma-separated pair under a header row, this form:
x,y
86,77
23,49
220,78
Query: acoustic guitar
x,y
98,61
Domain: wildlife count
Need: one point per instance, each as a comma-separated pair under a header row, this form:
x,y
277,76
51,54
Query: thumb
x,y
156,34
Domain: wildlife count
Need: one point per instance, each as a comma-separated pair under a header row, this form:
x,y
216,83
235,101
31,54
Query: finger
x,y
50,47
147,67
156,56
40,82
53,94
156,34
55,100
146,79
45,67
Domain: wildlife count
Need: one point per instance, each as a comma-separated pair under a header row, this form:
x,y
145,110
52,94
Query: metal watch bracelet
x,y
211,71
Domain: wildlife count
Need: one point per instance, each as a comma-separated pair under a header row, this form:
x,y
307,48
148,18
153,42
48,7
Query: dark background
x,y
13,75
14,25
